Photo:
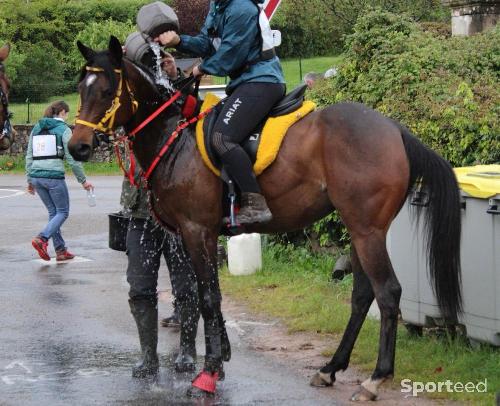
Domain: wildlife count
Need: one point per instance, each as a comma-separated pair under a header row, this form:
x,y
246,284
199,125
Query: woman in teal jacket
x,y
236,41
47,147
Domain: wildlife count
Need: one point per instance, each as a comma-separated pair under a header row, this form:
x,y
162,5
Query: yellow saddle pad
x,y
272,136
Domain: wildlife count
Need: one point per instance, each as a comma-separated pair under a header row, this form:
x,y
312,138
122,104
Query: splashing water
x,y
160,77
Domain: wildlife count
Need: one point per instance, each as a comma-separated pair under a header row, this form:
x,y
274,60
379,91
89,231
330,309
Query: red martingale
x,y
206,381
170,140
147,174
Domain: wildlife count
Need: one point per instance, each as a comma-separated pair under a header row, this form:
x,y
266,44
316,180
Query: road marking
x,y
13,364
53,261
54,376
15,192
236,324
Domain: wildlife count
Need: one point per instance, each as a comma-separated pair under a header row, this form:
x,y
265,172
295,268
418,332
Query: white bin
x,y
480,258
244,254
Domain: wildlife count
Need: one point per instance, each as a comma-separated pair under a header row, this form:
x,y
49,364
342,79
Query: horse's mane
x,y
145,73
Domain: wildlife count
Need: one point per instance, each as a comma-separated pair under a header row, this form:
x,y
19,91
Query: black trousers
x,y
247,106
146,243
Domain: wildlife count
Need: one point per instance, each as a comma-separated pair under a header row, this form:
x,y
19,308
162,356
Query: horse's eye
x,y
107,93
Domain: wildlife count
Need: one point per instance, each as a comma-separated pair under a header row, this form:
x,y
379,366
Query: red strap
x,y
131,171
170,140
156,113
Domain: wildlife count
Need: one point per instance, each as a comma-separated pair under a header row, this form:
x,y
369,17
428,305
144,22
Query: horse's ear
x,y
87,52
4,52
115,50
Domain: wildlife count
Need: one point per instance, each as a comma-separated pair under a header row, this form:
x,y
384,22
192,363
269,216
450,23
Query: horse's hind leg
x,y
375,261
362,297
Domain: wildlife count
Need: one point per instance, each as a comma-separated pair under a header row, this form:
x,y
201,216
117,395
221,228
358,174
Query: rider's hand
x,y
30,189
197,72
168,39
87,185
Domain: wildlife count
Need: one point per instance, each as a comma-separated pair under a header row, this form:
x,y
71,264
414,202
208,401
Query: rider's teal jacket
x,y
52,168
229,39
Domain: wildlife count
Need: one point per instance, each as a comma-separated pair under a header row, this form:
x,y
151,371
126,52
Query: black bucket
x,y
118,225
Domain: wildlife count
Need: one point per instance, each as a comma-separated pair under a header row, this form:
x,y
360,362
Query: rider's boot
x,y
145,313
253,204
253,209
189,314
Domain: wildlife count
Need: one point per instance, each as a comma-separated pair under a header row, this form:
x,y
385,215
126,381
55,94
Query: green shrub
x,y
96,36
444,89
59,22
38,72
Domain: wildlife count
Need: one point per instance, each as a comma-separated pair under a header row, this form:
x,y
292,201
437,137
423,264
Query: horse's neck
x,y
149,141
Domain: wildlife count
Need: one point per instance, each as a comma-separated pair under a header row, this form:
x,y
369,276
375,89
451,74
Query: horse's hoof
x,y
363,395
184,367
197,393
320,379
185,362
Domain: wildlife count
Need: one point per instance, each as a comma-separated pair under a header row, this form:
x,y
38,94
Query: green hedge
x,y
446,90
44,60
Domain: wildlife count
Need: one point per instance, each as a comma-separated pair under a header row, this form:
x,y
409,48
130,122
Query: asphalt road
x,y
66,333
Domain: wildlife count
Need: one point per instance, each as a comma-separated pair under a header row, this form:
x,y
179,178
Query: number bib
x,y
46,146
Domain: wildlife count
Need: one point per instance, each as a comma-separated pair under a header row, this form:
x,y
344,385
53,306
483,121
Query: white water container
x,y
244,254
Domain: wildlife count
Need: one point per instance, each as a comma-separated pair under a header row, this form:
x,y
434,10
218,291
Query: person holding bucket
x,y
146,243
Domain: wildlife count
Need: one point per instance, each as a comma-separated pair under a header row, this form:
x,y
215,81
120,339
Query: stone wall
x,y
104,153
469,17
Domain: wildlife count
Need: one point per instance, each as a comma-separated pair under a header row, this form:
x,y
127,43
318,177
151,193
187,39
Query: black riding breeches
x,y
247,106
146,243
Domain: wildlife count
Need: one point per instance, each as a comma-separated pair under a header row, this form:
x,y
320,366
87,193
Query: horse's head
x,y
105,100
5,130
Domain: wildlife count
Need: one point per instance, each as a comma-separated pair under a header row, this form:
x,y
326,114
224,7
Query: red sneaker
x,y
41,246
64,255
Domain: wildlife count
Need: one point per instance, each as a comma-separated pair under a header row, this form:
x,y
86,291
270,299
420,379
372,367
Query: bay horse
x,y
5,136
345,156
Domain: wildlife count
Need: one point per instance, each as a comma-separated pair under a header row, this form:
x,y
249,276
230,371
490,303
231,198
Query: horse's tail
x,y
442,221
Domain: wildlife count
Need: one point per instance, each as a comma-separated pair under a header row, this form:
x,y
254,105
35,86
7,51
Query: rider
x,y
232,41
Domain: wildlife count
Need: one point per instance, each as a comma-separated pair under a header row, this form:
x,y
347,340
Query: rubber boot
x,y
189,314
145,313
253,209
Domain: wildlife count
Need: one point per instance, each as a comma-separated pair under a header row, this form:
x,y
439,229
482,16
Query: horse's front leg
x,y
201,243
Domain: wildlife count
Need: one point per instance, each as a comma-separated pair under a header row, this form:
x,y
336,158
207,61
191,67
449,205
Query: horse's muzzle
x,y
80,151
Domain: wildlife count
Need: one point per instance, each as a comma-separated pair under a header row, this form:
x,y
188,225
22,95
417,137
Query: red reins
x,y
147,174
155,113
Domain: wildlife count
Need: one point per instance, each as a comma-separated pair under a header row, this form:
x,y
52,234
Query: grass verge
x,y
22,116
15,165
294,285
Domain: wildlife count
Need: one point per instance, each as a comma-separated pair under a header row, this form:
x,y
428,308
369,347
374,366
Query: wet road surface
x,y
66,333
